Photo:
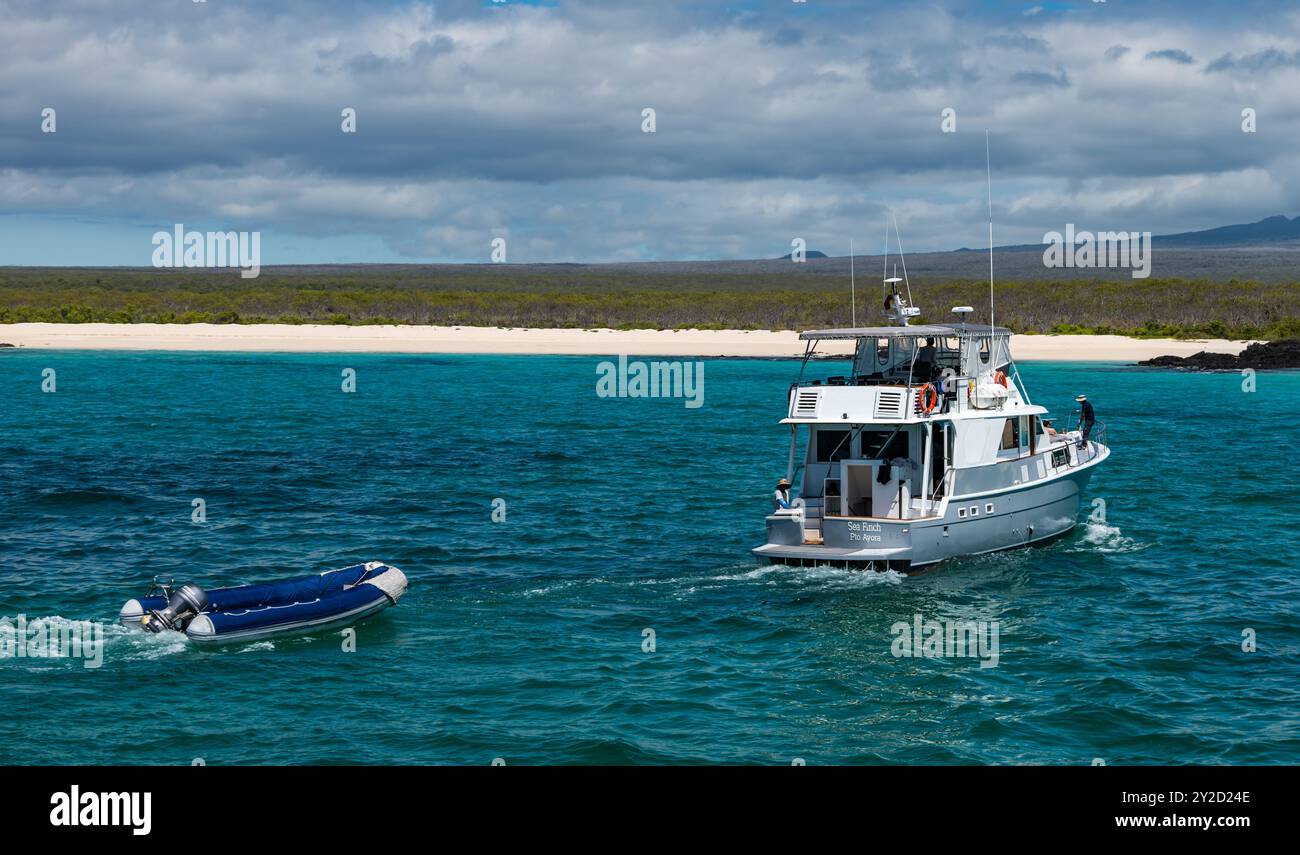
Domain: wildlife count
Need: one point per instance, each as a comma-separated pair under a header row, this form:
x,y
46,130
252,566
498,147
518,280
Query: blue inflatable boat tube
x,y
332,599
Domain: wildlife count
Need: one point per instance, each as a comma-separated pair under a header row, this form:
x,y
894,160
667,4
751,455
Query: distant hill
x,y
1276,232
812,253
1264,252
1268,231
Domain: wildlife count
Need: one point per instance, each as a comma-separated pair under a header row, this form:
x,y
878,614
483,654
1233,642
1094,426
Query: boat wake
x,y
821,576
1106,539
131,645
47,643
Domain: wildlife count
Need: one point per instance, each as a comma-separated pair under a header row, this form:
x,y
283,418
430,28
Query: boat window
x,y
874,448
832,445
1010,434
949,355
897,447
903,350
882,351
872,440
938,463
984,350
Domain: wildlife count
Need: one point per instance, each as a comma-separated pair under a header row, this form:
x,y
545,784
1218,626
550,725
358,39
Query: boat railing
x,y
1096,439
868,380
842,380
1095,445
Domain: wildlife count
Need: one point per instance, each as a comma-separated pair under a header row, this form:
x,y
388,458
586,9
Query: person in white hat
x,y
781,497
1086,419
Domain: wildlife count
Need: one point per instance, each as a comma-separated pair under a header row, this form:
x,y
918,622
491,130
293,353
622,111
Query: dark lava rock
x,y
1273,354
1269,354
1164,362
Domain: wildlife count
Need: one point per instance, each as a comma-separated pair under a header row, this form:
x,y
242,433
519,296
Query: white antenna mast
x,y
853,291
898,236
885,271
988,168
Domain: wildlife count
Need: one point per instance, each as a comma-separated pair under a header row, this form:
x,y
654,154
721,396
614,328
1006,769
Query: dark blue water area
x,y
523,639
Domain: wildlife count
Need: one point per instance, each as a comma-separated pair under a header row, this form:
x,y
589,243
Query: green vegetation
x,y
630,297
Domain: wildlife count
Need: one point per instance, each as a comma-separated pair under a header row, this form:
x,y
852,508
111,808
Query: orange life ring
x,y
927,405
1001,377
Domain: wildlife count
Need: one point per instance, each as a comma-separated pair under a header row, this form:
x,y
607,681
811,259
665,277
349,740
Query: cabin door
x,y
856,479
938,459
890,492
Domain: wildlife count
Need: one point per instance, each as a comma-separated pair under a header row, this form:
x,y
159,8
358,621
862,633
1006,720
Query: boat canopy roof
x,y
917,331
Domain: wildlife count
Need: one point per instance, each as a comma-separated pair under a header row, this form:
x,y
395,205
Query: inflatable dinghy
x,y
327,600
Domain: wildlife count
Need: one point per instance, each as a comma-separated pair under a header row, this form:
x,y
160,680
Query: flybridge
x,y
920,331
917,355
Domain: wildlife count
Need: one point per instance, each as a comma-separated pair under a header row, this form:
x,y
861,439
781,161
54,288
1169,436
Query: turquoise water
x,y
522,639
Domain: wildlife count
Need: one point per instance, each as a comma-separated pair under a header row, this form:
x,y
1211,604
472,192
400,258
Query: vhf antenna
x,y
988,168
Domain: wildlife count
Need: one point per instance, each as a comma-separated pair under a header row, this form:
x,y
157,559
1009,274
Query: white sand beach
x,y
326,338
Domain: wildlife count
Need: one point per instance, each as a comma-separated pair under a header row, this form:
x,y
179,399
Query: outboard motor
x,y
185,603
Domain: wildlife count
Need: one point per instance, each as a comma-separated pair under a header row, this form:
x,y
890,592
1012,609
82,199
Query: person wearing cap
x,y
1086,419
781,496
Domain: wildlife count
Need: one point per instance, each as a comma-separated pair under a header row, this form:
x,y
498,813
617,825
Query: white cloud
x,y
528,120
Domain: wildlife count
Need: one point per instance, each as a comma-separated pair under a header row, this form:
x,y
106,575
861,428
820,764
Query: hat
x,y
783,483
1081,398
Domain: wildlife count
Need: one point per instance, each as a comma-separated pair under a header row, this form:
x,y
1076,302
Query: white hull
x,y
1019,516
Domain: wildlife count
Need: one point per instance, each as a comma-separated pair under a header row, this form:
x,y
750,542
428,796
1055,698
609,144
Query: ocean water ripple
x,y
615,615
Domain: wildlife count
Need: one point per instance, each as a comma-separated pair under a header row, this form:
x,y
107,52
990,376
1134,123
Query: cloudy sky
x,y
773,119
